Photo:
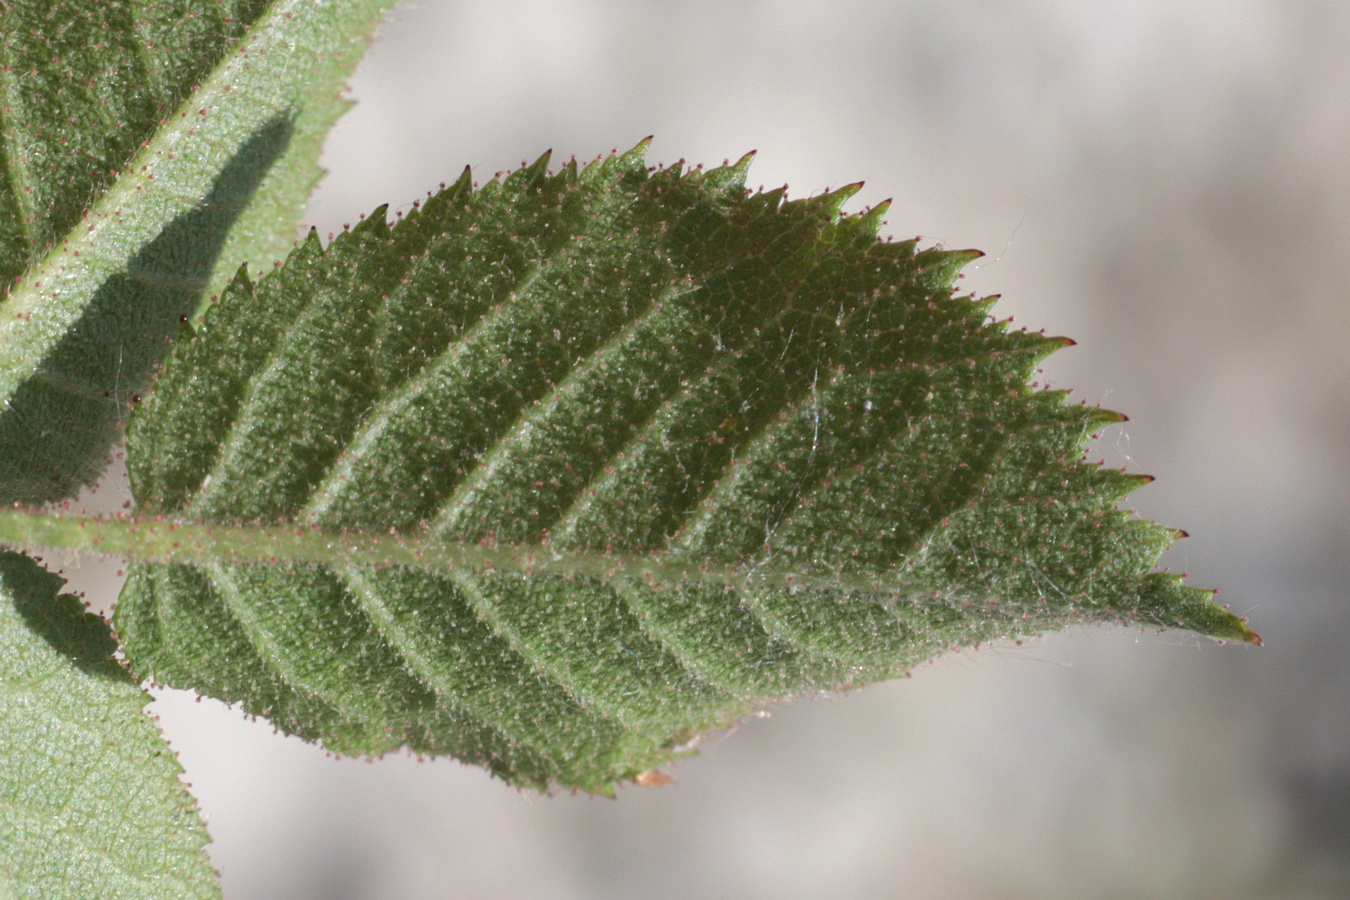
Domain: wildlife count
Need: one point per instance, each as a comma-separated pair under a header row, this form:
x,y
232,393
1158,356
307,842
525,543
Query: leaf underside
x,y
147,150
653,364
90,801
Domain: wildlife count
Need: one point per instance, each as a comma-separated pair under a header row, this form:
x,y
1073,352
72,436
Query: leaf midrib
x,y
160,539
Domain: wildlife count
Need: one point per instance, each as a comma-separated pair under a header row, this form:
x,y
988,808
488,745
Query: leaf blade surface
x,y
90,801
150,150
760,454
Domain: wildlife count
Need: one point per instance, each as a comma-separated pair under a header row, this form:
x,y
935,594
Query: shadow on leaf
x,y
59,619
56,432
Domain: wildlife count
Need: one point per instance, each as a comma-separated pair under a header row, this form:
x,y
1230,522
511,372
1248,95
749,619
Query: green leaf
x,y
558,474
149,149
90,801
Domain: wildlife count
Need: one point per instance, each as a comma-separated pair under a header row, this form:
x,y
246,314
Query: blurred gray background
x,y
1164,180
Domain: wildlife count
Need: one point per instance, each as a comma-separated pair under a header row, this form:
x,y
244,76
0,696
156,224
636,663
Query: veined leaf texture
x,y
810,464
149,149
90,801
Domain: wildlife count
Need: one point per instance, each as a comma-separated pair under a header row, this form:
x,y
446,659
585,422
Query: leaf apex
x,y
1236,626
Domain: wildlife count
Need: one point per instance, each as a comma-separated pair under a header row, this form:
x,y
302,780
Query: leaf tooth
x,y
938,268
615,166
487,191
634,159
742,165
374,225
530,176
311,241
857,234
1095,417
833,201
1113,485
1137,480
1027,348
870,221
461,188
729,178
767,201
1053,397
986,303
